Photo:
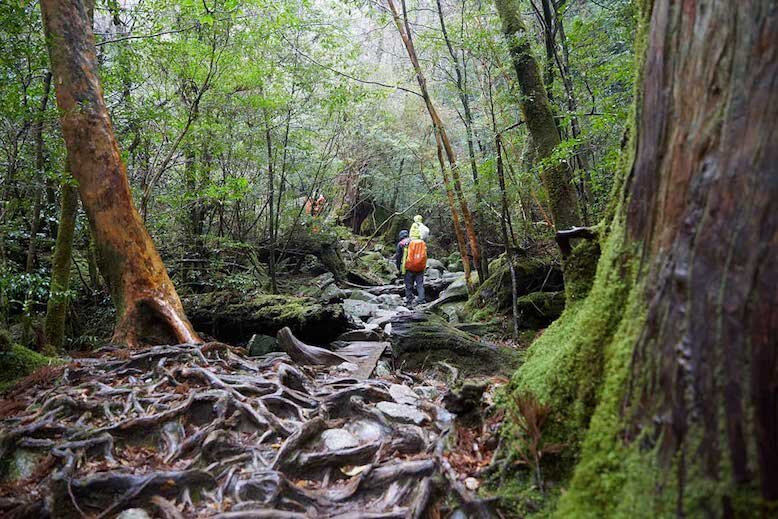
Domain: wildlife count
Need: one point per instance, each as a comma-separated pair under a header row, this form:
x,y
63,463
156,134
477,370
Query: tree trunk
x,y
147,306
403,28
537,113
676,343
56,310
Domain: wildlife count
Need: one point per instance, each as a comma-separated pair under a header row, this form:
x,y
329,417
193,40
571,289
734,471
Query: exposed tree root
x,y
193,432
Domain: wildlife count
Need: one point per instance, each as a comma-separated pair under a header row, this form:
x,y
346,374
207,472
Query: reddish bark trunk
x,y
147,305
702,201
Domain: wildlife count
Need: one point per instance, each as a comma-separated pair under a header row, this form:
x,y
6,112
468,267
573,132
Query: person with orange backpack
x,y
414,259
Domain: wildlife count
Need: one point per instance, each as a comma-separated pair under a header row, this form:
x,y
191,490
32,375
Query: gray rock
x,y
456,290
361,309
362,295
402,413
335,439
432,274
403,394
435,264
382,369
426,392
390,301
134,513
366,430
451,311
324,280
260,345
23,464
333,292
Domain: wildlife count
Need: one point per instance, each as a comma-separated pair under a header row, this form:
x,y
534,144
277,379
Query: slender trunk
x,y
147,306
505,239
271,199
403,28
454,214
56,310
39,166
539,117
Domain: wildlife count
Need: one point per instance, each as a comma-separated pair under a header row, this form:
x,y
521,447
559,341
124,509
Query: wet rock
x,y
260,345
435,264
426,392
433,274
361,309
403,394
402,413
366,430
335,439
233,316
362,295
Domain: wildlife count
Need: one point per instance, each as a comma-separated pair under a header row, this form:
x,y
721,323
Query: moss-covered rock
x,y
17,362
419,340
495,294
539,309
372,268
235,317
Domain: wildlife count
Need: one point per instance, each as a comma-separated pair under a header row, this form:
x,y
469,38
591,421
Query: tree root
x,y
186,432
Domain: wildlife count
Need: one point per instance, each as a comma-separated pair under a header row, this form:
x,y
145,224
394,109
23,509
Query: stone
x,y
435,264
455,291
362,295
451,311
134,513
472,484
366,430
361,309
23,464
324,280
333,293
347,367
403,394
336,439
426,392
233,316
383,370
433,274
390,301
402,413
260,345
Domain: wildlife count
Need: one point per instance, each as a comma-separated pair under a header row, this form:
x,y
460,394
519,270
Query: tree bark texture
x,y
682,317
703,194
147,305
537,113
56,310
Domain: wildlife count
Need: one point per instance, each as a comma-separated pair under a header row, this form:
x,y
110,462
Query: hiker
x,y
411,259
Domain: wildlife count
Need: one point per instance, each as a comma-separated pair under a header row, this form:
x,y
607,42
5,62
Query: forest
x,y
388,258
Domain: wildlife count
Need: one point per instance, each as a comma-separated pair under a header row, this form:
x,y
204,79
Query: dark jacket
x,y
398,255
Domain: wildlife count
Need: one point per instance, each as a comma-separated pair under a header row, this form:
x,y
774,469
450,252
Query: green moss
x,y
18,362
580,267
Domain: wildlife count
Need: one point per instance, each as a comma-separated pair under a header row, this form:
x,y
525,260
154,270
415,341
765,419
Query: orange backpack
x,y
416,260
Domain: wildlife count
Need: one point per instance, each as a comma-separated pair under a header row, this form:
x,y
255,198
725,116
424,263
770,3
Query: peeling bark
x,y
148,307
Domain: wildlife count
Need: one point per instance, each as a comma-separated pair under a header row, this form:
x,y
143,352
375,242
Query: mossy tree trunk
x,y
147,305
670,365
56,310
537,113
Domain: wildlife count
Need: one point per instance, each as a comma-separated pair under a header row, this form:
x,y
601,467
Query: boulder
x,y
361,295
433,274
260,345
234,317
420,339
435,264
360,309
402,413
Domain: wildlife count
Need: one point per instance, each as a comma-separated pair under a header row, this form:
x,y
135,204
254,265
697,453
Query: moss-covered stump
x,y
419,340
234,317
17,362
532,275
539,309
580,269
